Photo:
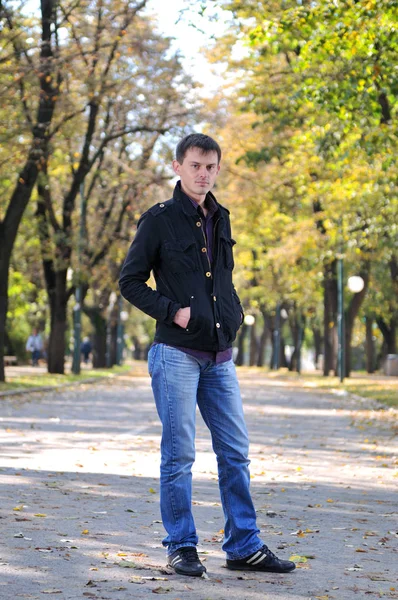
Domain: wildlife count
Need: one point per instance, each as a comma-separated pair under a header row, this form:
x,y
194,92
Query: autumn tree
x,y
31,83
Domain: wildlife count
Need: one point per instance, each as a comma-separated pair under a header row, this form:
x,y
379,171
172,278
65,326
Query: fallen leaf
x,y
85,531
297,558
161,590
127,564
18,508
137,579
152,491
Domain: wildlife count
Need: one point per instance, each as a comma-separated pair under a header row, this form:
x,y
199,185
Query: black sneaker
x,y
185,561
262,560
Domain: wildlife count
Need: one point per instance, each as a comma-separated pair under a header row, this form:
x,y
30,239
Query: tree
x,y
18,66
331,117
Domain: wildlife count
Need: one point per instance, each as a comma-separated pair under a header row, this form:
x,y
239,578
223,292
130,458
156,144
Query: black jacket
x,y
170,240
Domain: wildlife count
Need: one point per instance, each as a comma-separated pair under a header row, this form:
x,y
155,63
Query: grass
x,y
377,387
40,379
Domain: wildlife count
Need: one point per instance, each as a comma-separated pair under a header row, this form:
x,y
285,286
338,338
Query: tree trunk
x,y
352,313
240,357
137,348
295,330
330,318
317,344
263,341
370,347
58,297
388,331
98,323
253,345
113,343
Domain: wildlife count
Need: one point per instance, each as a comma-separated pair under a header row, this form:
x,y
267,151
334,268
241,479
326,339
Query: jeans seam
x,y
172,432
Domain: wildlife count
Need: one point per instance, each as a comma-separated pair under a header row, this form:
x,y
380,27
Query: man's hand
x,y
182,317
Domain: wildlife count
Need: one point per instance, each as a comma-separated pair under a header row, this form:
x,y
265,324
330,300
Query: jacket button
x,y
204,250
198,224
215,298
218,325
161,205
208,274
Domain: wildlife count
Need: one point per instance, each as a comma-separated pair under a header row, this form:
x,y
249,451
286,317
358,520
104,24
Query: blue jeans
x,y
179,382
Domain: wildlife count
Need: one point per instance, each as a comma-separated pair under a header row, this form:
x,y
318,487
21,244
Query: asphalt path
x,y
79,496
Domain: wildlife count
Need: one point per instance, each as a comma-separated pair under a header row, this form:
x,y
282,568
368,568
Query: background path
x,y
79,495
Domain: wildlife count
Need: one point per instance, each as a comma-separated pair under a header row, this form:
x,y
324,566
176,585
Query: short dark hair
x,y
197,140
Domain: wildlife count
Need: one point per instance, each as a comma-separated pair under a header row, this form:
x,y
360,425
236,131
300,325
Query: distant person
x,y
86,349
34,345
187,243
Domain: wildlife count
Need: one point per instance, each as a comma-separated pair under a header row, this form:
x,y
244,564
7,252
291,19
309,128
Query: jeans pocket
x,y
151,358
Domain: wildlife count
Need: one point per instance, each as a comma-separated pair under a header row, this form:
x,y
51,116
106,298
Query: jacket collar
x,y
186,203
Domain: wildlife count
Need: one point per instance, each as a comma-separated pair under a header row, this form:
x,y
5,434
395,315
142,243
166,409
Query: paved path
x,y
79,493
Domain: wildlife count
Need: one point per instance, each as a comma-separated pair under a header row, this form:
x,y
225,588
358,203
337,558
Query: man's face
x,y
198,172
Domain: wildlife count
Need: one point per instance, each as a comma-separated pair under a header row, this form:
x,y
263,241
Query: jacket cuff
x,y
174,307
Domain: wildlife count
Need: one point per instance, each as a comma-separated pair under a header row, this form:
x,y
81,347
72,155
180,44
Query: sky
x,y
189,39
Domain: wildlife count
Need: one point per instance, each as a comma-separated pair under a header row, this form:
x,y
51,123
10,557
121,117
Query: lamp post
x,y
355,284
340,319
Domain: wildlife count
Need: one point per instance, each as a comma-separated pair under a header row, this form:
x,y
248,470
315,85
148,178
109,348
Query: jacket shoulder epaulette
x,y
159,208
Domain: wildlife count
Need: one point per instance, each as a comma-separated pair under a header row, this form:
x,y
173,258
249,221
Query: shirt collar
x,y
210,202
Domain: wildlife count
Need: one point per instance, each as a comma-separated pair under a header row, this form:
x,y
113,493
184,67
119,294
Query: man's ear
x,y
176,167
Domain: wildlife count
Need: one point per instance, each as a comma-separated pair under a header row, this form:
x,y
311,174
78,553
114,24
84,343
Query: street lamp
x,y
355,284
249,320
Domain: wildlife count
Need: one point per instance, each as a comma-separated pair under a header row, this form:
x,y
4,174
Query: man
x,y
35,346
187,243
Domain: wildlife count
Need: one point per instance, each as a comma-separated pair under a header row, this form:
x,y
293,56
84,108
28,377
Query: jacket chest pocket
x,y
227,256
181,256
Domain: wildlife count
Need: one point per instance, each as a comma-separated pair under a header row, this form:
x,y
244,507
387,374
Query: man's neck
x,y
200,200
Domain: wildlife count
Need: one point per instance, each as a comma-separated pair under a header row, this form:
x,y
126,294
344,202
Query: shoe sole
x,y
179,572
250,568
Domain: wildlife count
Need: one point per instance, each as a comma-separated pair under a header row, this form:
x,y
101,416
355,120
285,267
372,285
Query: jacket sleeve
x,y
141,258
